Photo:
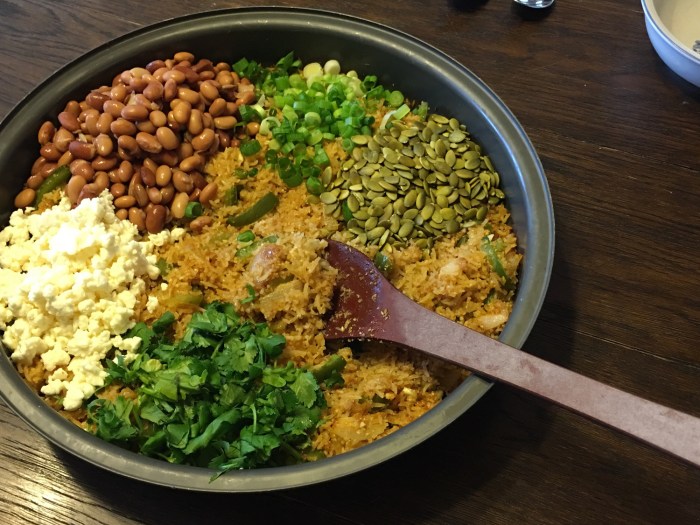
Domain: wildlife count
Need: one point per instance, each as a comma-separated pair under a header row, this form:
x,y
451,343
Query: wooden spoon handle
x,y
368,306
670,430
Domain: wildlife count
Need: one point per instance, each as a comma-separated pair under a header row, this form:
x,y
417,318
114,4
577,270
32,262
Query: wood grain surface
x,y
619,137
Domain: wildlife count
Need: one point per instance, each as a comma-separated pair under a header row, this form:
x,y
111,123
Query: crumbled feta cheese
x,y
152,303
69,282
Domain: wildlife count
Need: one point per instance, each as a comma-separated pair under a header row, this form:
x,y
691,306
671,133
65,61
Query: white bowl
x,y
674,28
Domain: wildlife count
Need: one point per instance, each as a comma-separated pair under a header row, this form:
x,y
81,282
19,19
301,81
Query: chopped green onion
x,y
267,203
321,157
462,240
249,69
251,294
345,209
250,147
421,110
248,113
267,124
193,298
491,255
246,236
282,83
395,99
312,118
232,195
329,371
288,62
296,81
247,251
314,186
243,174
402,111
383,262
314,137
194,209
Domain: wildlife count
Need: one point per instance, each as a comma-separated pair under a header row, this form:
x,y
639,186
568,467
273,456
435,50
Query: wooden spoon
x,y
368,306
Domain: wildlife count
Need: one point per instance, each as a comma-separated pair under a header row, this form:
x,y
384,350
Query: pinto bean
x,y
182,181
134,112
148,143
50,152
122,126
179,205
201,222
62,138
69,121
204,140
25,198
148,176
46,133
83,168
117,190
103,144
208,193
167,138
137,217
155,218
82,150
74,187
163,175
100,163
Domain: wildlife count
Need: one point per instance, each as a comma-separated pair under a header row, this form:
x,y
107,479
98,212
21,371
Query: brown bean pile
x,y
145,138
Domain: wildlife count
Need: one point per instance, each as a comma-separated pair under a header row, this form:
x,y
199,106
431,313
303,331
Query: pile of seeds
x,y
414,181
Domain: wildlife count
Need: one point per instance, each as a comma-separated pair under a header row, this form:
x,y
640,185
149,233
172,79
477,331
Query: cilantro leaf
x,y
305,387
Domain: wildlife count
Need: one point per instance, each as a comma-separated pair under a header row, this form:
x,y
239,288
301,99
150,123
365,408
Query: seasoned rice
x,y
384,388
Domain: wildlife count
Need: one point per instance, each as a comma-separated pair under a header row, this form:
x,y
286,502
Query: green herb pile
x,y
214,398
301,108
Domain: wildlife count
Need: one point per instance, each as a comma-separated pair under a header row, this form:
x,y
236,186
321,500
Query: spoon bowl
x,y
368,307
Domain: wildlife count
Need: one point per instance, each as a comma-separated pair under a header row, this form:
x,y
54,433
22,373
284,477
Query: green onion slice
x,y
267,203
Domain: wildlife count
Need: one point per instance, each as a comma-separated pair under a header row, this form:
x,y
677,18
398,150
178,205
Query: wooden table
x,y
619,137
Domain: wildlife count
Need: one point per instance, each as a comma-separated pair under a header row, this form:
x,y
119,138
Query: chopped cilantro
x,y
214,398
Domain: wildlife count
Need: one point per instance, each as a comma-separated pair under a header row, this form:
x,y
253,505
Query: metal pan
x,y
265,34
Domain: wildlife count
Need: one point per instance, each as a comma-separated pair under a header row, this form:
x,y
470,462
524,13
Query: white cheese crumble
x,y
69,283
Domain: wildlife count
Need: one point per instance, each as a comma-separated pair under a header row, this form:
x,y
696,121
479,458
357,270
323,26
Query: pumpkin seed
x,y
394,223
420,200
451,226
472,164
412,182
456,137
360,140
405,230
353,203
328,197
448,213
411,214
380,202
375,233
